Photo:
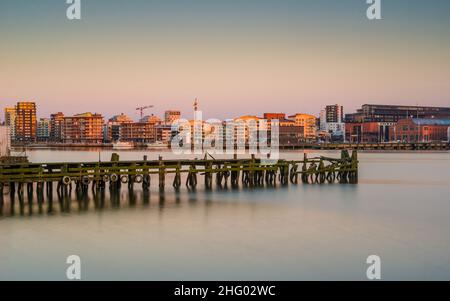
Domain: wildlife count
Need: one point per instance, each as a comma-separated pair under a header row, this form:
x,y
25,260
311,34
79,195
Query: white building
x,y
332,121
5,141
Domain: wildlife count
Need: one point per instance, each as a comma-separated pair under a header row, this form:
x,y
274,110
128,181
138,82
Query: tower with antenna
x,y
195,105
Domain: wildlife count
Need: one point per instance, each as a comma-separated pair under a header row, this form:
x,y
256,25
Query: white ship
x,y
157,145
123,145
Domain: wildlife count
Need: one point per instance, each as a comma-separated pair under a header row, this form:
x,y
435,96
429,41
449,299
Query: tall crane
x,y
141,110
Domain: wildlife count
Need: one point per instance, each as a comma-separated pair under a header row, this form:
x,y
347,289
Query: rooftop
x,y
430,121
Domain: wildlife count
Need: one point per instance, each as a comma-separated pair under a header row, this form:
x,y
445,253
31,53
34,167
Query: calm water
x,y
400,211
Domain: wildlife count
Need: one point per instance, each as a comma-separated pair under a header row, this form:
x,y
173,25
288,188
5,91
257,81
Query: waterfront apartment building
x,y
151,119
83,128
43,129
25,122
56,126
309,124
245,126
138,132
333,114
164,133
170,116
10,121
111,132
413,130
289,133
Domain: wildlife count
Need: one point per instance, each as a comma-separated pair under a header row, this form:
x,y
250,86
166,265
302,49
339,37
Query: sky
x,y
237,57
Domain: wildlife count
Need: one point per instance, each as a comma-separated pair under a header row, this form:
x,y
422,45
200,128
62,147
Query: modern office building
x,y
25,122
377,123
393,113
43,129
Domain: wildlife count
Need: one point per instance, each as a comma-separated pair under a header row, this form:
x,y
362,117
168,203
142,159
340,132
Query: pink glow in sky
x,y
234,67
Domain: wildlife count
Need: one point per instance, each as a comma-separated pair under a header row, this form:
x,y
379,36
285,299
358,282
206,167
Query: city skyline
x,y
235,57
160,113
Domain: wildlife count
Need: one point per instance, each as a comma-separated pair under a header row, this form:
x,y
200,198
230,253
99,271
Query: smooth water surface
x,y
400,211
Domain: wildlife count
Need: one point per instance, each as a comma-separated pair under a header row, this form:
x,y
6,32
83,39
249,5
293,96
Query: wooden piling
x,y
162,174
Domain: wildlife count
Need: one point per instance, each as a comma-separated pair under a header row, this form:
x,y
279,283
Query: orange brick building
x,y
83,128
413,130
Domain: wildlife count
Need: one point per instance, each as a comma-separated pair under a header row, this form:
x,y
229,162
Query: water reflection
x,y
41,198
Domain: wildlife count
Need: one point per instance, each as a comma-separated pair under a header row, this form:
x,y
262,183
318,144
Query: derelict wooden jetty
x,y
41,178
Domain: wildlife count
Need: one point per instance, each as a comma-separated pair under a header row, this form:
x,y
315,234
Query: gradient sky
x,y
237,57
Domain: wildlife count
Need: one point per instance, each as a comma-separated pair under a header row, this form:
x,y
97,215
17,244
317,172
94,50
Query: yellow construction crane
x,y
141,110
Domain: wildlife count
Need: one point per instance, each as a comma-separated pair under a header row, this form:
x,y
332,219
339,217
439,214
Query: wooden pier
x,y
41,178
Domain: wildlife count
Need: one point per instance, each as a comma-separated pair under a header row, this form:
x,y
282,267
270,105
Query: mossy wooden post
x,y
354,167
1,198
50,196
251,173
235,167
344,165
208,175
145,176
293,176
191,181
285,173
40,195
321,172
162,174
219,175
115,185
177,178
131,176
20,197
30,193
305,169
